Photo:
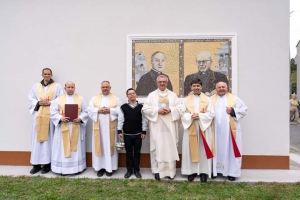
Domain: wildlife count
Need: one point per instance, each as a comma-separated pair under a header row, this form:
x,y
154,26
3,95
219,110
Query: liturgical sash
x,y
231,102
112,125
43,114
69,145
203,103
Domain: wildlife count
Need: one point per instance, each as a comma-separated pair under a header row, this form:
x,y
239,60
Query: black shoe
x,y
109,173
169,177
203,178
78,173
100,172
138,174
231,178
128,174
191,177
156,176
46,169
35,169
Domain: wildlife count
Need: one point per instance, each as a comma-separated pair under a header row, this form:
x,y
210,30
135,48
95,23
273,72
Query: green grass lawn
x,y
83,188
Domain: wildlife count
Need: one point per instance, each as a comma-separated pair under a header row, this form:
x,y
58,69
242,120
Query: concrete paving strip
x,y
295,158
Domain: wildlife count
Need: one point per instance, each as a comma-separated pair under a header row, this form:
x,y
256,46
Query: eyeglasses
x,y
203,61
105,87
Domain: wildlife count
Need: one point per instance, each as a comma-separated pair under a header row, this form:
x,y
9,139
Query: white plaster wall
x,y
297,60
85,41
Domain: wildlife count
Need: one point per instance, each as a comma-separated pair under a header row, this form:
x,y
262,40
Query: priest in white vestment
x,y
162,109
197,139
103,110
68,149
229,109
40,98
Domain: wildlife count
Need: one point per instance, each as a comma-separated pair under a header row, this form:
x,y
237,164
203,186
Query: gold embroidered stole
x,y
69,145
112,125
203,103
230,103
43,114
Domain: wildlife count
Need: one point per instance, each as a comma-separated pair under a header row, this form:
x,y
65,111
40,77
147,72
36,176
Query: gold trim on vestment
x,y
43,114
203,103
112,125
231,102
69,145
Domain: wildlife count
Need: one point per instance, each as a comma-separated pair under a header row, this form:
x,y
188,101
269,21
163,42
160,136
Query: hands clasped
x,y
104,110
164,111
67,119
195,116
44,102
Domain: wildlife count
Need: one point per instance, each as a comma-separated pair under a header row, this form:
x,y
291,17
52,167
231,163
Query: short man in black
x,y
134,126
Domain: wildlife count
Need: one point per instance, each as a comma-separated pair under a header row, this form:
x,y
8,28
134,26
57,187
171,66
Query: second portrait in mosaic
x,y
181,60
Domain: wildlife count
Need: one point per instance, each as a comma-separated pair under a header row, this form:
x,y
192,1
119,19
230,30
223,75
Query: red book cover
x,y
71,111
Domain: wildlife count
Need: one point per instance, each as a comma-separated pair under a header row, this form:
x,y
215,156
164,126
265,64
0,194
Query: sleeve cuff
x,y
119,131
144,132
232,113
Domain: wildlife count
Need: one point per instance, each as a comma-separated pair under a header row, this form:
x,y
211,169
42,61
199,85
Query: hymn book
x,y
71,111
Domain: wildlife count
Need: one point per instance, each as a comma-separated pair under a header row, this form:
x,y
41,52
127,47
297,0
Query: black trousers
x,y
133,144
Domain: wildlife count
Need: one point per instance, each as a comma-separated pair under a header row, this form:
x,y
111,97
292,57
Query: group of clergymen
x,y
211,142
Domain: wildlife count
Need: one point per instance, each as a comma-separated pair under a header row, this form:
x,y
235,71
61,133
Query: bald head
x,y
70,87
203,61
221,88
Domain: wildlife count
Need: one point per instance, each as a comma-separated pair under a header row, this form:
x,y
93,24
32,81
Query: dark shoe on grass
x,y
35,169
100,172
128,174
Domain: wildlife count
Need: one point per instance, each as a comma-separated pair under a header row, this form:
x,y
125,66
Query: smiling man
x,y
68,149
40,98
133,125
147,82
229,109
197,139
162,109
103,110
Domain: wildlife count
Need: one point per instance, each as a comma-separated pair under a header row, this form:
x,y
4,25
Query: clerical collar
x,y
43,83
154,70
197,94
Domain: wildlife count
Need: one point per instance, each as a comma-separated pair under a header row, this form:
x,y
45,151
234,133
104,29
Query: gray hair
x,y
162,76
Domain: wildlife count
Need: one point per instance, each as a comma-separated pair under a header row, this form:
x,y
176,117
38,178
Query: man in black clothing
x,y
134,126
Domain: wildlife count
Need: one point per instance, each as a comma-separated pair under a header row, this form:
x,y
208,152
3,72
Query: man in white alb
x,y
103,110
162,109
229,109
40,98
198,140
68,149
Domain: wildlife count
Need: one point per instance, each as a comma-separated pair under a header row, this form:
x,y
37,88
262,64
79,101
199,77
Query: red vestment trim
x,y
236,150
206,147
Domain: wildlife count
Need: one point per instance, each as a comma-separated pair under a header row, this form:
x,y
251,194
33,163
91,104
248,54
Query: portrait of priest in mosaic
x,y
181,60
208,77
147,82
